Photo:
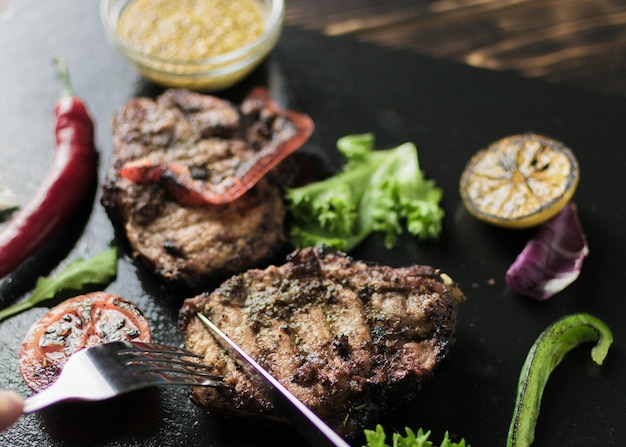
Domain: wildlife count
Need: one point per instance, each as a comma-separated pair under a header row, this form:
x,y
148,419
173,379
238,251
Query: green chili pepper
x,y
545,354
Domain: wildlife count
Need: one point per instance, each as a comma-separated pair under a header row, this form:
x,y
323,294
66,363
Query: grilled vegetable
x,y
545,354
82,321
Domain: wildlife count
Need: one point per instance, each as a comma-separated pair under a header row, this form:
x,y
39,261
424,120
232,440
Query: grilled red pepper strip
x,y
73,170
188,191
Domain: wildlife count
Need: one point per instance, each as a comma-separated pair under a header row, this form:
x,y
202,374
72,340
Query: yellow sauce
x,y
190,30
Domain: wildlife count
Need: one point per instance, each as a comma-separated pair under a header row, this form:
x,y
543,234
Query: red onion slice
x,y
552,259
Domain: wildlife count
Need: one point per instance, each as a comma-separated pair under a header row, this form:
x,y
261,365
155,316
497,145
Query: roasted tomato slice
x,y
269,134
79,322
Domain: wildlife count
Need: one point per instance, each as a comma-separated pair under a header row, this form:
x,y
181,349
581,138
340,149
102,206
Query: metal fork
x,y
111,369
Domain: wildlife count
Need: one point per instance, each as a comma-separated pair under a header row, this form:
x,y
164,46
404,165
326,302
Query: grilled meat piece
x,y
346,337
197,246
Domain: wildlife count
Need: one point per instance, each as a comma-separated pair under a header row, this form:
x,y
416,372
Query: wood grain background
x,y
576,42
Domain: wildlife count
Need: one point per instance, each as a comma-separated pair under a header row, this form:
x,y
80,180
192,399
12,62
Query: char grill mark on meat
x,y
195,246
209,116
347,337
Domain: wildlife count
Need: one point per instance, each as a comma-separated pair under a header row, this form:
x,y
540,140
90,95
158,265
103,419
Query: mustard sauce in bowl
x,y
197,44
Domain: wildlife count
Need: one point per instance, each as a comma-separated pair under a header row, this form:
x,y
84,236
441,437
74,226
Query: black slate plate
x,y
449,112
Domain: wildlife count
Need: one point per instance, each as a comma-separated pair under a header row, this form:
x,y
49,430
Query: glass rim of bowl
x,y
110,11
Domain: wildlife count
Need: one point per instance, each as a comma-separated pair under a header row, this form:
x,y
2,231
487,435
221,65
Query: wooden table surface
x,y
576,42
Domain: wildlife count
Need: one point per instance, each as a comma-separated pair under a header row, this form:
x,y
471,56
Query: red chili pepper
x,y
193,192
73,170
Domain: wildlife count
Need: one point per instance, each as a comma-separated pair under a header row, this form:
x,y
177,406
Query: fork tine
x,y
158,360
164,357
169,364
177,377
154,348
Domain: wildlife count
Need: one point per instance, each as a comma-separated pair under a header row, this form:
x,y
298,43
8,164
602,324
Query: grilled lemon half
x,y
519,181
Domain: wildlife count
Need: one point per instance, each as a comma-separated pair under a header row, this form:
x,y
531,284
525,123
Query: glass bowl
x,y
216,72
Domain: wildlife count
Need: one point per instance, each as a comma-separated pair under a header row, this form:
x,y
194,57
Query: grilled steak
x,y
345,336
197,245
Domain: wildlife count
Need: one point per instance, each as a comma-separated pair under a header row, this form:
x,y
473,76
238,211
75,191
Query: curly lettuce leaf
x,y
377,438
377,191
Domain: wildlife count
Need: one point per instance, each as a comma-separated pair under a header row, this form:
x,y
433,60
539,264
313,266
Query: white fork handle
x,y
72,384
41,400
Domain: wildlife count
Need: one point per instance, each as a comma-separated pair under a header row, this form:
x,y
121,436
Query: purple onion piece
x,y
552,259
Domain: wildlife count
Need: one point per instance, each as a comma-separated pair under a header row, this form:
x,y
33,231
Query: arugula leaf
x,y
377,191
101,269
376,438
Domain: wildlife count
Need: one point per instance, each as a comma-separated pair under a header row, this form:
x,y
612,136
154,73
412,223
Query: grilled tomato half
x,y
77,323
